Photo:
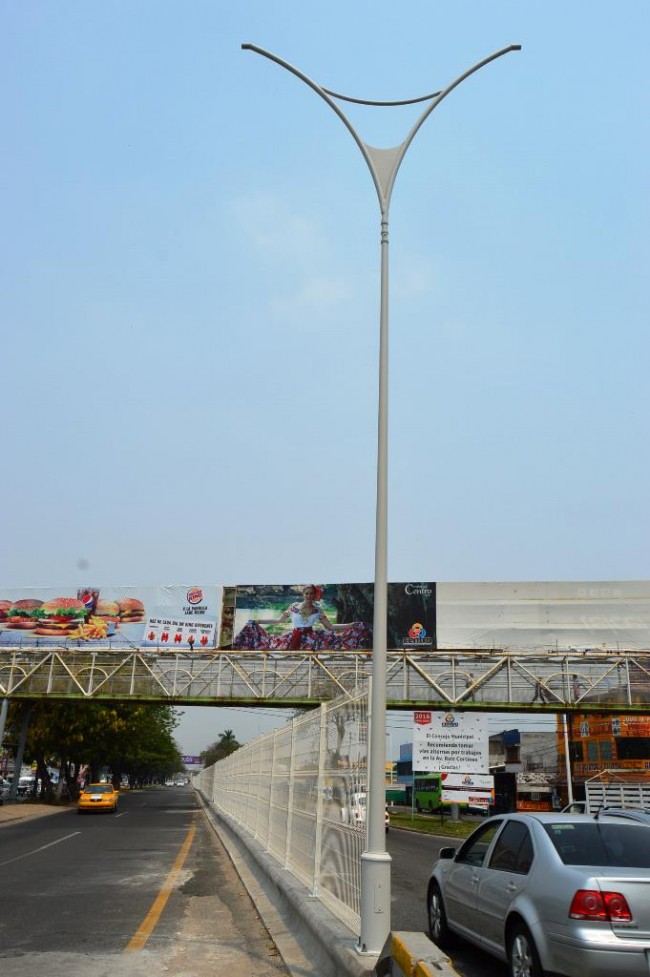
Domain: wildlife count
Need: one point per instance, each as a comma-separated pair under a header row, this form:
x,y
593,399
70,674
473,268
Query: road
x,y
126,895
413,855
80,893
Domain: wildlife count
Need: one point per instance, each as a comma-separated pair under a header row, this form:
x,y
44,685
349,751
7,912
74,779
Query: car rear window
x,y
99,789
598,843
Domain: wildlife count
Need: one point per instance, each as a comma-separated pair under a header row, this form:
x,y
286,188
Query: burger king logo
x,y
194,595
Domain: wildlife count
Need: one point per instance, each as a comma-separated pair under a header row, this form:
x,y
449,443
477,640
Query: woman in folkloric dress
x,y
304,615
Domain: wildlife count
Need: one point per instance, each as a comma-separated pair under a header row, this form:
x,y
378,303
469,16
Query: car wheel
x,y
438,929
523,959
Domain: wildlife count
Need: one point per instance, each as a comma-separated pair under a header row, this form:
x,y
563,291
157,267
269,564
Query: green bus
x,y
397,794
427,790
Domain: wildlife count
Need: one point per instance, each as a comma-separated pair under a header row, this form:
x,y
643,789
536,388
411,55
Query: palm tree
x,y
223,747
228,742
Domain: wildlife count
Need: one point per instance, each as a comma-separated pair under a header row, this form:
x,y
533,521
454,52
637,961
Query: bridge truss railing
x,y
493,680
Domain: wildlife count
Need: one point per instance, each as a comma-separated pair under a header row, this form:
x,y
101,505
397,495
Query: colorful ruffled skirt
x,y
253,637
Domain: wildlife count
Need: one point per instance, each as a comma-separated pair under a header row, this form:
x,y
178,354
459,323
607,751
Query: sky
x,y
189,290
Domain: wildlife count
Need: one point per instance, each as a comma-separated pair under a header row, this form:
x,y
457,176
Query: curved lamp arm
x,y
382,163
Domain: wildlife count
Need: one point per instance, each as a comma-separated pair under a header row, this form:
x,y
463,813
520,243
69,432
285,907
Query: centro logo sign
x,y
419,589
449,721
194,595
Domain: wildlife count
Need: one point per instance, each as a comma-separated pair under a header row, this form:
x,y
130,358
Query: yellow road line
x,y
148,925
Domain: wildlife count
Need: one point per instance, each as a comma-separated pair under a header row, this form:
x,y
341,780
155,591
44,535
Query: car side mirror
x,y
447,852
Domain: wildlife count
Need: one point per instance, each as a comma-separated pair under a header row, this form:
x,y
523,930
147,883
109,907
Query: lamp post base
x,y
375,902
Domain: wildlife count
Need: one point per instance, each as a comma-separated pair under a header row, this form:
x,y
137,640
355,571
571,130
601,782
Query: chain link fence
x,y
300,792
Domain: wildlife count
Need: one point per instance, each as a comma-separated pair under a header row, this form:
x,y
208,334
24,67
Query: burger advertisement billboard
x,y
175,618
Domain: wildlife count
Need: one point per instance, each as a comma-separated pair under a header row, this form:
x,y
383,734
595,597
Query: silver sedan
x,y
564,894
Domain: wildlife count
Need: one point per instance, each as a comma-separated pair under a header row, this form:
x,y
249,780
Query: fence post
x,y
322,752
260,756
292,768
269,823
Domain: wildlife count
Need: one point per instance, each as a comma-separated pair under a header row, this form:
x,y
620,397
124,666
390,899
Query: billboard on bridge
x,y
167,618
531,616
325,617
544,616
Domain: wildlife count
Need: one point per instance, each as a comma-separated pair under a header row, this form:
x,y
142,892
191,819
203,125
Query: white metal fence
x,y
293,790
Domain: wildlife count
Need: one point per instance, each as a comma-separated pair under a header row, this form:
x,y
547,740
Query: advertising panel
x,y
544,615
477,790
325,617
167,618
450,742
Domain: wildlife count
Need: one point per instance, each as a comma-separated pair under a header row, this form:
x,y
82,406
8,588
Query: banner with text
x,y
477,790
450,742
176,618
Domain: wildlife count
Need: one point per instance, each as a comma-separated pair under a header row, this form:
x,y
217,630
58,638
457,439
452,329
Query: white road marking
x,y
42,848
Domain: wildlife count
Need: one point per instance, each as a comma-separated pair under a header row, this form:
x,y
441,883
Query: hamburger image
x,y
131,610
60,616
4,607
108,610
22,614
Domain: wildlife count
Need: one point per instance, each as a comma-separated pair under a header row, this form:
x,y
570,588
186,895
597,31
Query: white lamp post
x,y
383,165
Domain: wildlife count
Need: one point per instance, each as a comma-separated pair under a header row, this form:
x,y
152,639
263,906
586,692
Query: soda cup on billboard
x,y
88,597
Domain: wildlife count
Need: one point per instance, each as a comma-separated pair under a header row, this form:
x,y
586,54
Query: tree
x,y
223,747
121,739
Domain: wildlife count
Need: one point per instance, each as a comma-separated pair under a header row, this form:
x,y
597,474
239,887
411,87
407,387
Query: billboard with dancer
x,y
325,617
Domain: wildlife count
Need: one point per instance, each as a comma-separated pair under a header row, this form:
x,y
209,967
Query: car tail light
x,y
594,904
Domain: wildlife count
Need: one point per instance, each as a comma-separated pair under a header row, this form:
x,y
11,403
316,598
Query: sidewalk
x,y
20,810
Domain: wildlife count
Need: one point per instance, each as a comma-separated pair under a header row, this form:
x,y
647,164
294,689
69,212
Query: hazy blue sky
x,y
189,287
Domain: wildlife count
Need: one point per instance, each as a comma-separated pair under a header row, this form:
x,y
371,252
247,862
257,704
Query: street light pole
x,y
383,165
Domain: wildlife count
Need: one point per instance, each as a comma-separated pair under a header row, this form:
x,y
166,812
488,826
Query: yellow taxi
x,y
97,797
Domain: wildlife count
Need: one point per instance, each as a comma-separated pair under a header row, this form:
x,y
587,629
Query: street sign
x,y
451,742
474,789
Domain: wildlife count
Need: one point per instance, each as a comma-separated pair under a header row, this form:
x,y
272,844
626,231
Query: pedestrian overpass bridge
x,y
484,679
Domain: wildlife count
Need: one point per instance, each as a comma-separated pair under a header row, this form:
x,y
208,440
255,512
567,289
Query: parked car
x,y
631,813
575,807
98,797
636,813
25,786
566,894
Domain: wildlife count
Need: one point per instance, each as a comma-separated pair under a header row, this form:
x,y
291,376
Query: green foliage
x,y
223,747
126,739
433,824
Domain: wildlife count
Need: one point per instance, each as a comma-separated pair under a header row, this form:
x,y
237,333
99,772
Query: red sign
x,y
422,718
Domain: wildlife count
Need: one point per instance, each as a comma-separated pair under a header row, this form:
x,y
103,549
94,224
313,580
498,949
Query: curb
x,y
414,955
312,941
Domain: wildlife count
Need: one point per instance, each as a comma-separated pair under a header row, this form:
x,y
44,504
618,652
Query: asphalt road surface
x,y
150,891
413,855
141,893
